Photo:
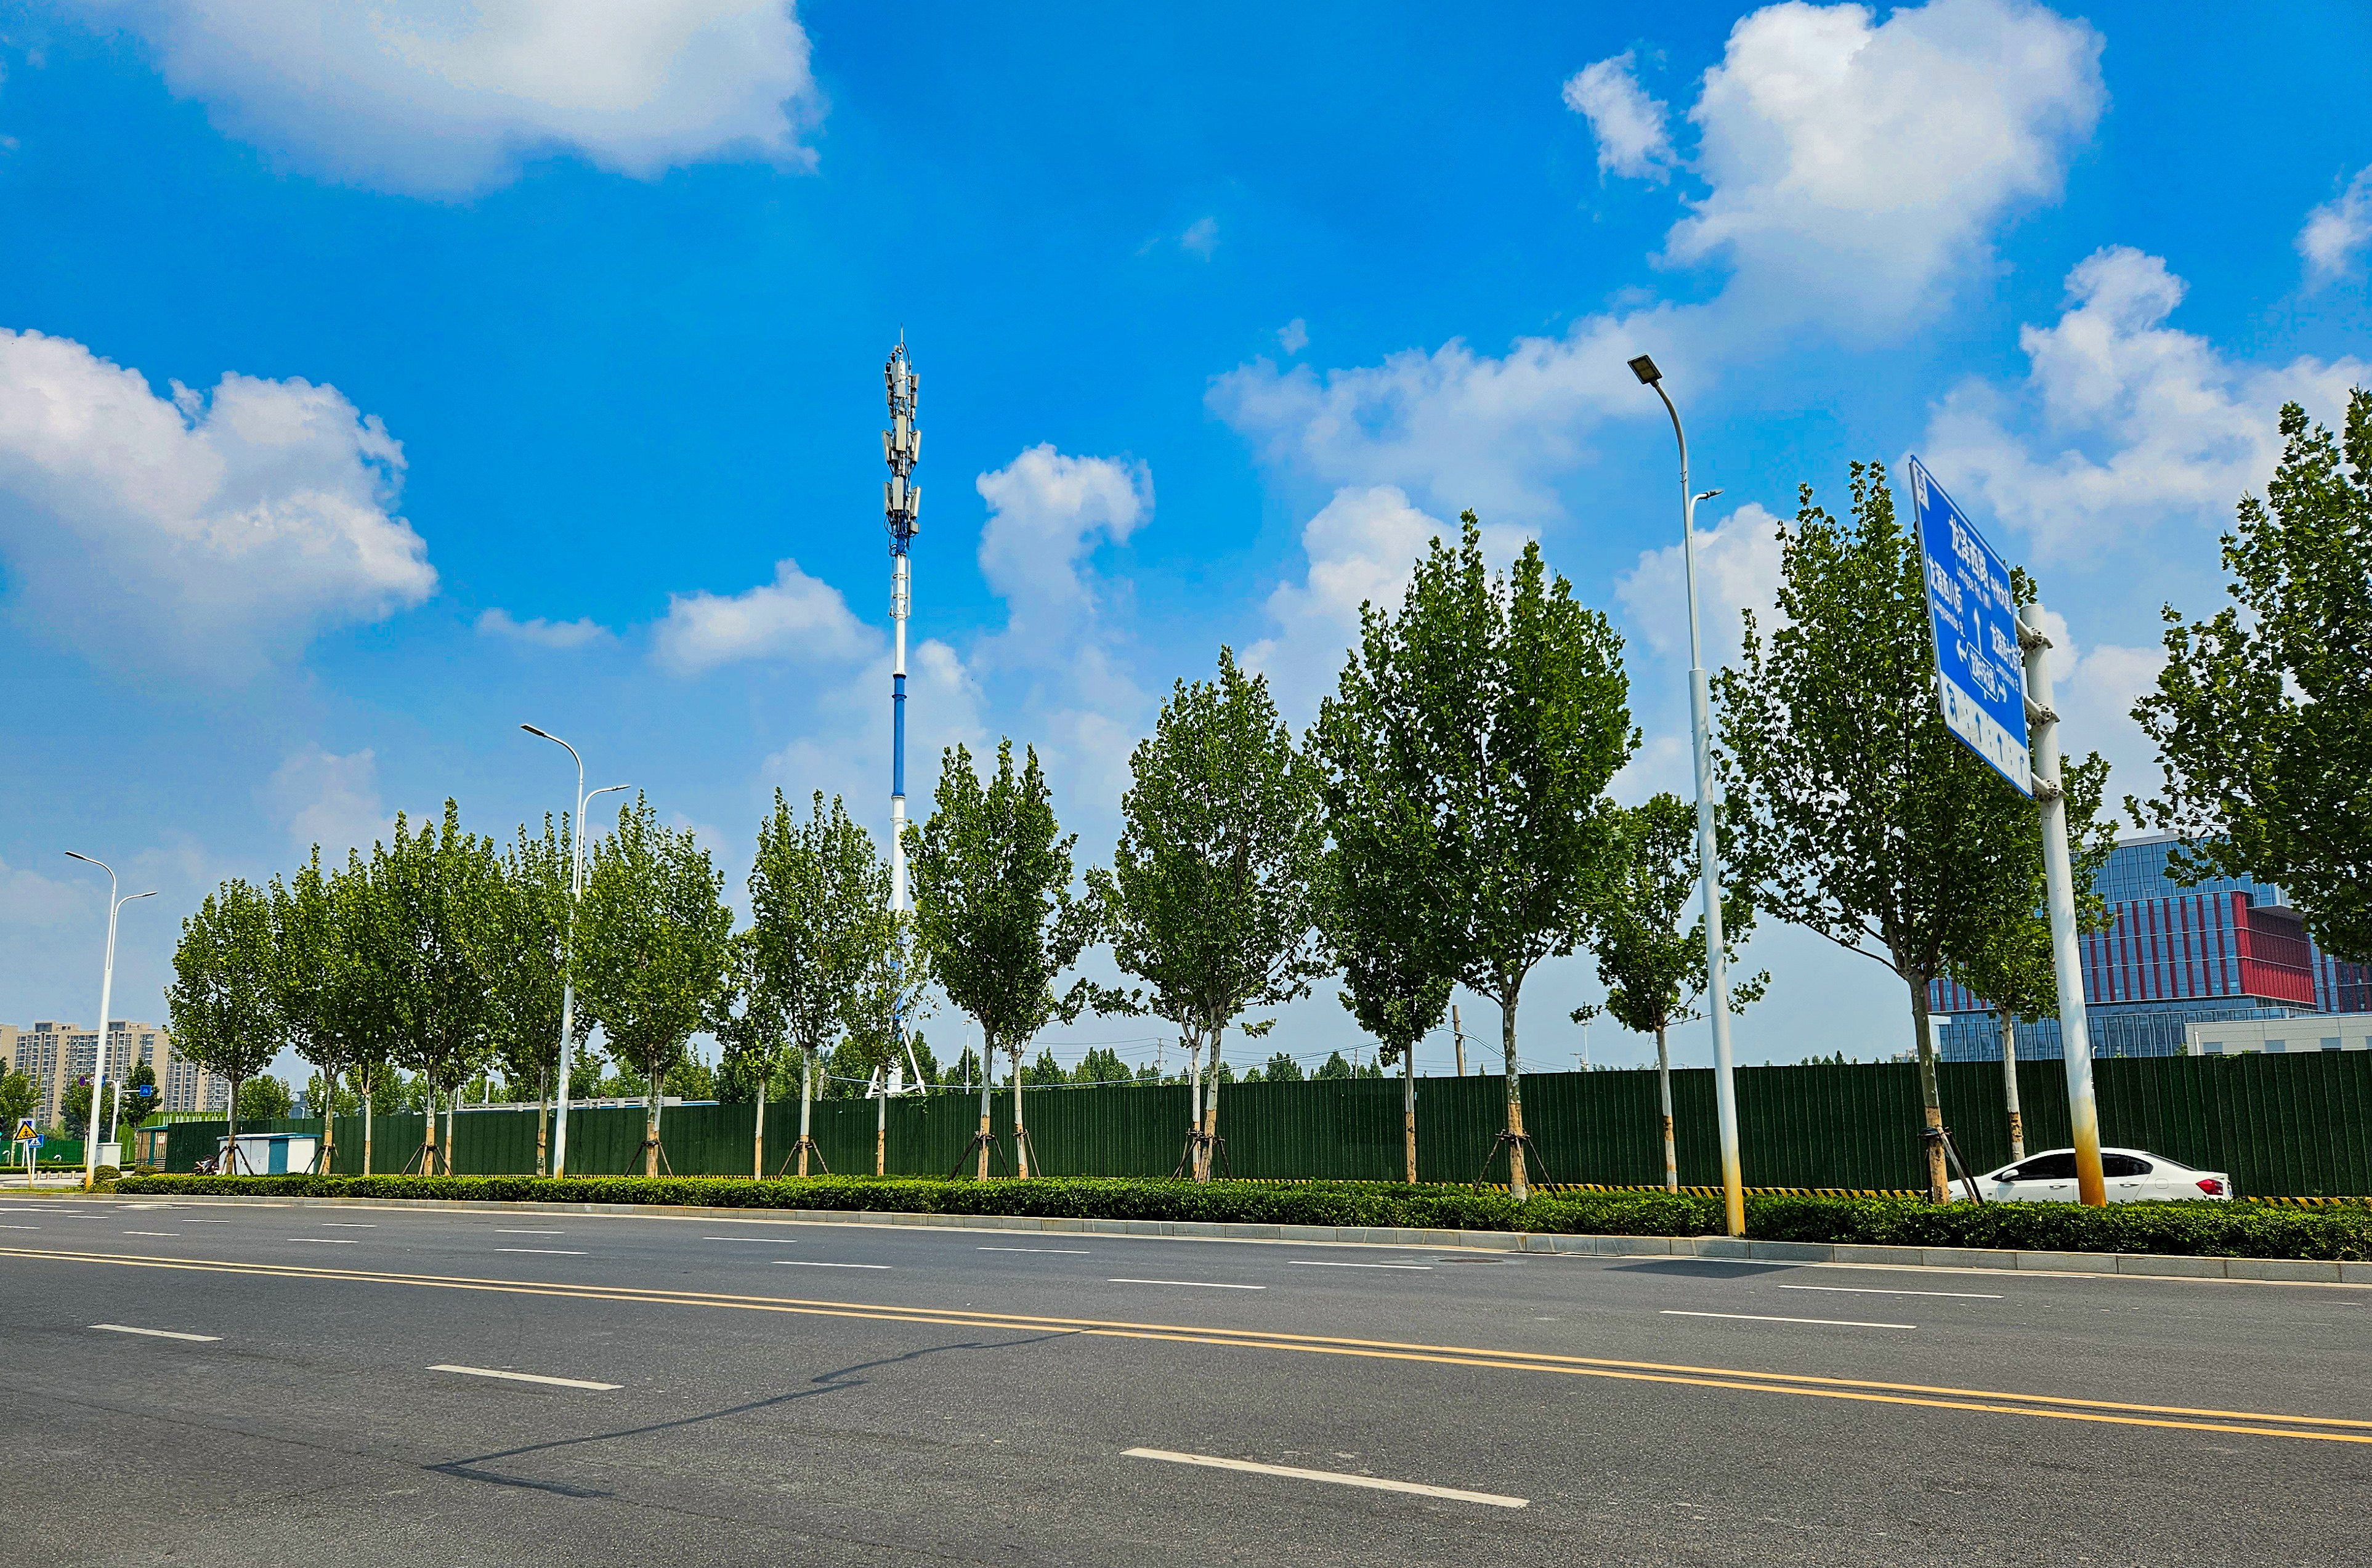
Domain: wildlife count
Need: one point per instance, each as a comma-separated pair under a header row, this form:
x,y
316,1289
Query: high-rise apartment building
x,y
2228,948
57,1055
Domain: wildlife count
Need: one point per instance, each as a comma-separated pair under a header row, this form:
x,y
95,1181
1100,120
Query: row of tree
x,y
1445,821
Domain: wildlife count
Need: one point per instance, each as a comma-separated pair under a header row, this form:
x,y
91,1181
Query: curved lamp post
x,y
106,1001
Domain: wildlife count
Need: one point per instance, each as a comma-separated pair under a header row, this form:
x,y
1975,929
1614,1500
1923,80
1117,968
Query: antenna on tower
x,y
902,503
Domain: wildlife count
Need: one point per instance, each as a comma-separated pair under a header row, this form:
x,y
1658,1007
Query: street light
x,y
106,1001
568,950
1708,852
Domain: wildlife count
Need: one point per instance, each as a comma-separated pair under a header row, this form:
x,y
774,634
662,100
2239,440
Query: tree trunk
x,y
1408,1105
2009,1084
429,1149
230,1126
651,1118
1931,1101
327,1148
807,1103
1020,1146
1457,1033
1664,1096
986,1056
544,1123
1519,1186
758,1130
452,1109
881,1126
1197,1167
1211,1106
367,1091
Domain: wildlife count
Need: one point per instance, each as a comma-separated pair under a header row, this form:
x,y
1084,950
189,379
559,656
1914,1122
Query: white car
x,y
2133,1176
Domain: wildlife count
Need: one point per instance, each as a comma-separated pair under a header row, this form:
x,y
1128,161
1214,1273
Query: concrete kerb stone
x,y
2128,1264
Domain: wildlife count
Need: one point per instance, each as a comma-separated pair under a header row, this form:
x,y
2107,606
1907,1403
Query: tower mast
x,y
902,500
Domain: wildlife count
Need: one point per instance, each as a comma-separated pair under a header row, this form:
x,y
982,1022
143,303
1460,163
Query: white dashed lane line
x,y
1198,1284
1335,1477
811,1263
1322,1263
156,1333
1071,1252
544,1251
1762,1318
1873,1289
525,1378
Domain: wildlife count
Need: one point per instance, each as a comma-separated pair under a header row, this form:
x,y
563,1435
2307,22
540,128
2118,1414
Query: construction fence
x,y
2297,1126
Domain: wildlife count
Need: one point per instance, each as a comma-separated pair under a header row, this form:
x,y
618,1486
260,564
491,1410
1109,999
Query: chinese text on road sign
x,y
1980,673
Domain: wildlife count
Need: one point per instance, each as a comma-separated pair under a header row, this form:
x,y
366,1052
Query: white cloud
x,y
540,632
846,748
1738,568
333,801
1294,335
210,530
1202,236
2124,422
2337,231
1361,548
1629,124
442,96
794,616
1855,172
1858,167
1046,513
28,898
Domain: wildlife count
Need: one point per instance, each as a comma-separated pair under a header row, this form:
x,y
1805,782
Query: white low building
x,y
2306,1031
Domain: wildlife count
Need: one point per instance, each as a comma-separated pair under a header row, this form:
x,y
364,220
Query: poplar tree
x,y
2262,714
820,931
994,910
654,935
526,962
1210,899
431,912
1467,752
1652,967
1855,813
312,963
225,1001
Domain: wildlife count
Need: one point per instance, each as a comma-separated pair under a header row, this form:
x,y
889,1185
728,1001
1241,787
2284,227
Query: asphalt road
x,y
762,1391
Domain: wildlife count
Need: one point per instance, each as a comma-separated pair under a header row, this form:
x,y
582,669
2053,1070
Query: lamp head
x,y
532,730
1644,368
1707,494
77,854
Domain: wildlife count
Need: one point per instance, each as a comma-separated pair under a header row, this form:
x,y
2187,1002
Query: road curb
x,y
2148,1265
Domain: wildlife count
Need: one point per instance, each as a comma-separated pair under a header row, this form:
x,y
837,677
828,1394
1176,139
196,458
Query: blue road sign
x,y
1979,671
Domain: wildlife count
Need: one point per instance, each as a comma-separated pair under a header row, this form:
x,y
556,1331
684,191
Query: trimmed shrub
x,y
2216,1230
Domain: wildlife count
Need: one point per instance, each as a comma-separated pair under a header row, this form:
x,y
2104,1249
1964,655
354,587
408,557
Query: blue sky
x,y
368,389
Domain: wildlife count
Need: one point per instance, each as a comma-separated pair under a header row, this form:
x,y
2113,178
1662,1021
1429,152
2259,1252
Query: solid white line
x,y
523,1376
811,1263
1873,1290
156,1333
1202,1284
1075,1251
544,1251
1336,1477
1316,1263
1760,1318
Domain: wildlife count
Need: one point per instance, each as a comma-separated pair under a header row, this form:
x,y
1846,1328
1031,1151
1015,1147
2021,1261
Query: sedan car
x,y
2133,1176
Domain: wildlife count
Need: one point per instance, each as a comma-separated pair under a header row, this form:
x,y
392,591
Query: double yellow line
x,y
2256,1424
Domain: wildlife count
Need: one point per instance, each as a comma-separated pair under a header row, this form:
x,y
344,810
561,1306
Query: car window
x,y
2123,1165
2047,1168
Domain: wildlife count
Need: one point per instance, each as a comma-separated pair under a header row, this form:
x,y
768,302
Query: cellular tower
x,y
902,500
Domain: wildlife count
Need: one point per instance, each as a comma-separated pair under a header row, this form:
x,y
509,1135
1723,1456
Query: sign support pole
x,y
2074,1036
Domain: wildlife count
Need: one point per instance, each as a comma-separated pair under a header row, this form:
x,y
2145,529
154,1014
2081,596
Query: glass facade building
x,y
2229,947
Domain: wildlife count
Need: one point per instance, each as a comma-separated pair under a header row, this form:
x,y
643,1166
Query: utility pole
x,y
902,503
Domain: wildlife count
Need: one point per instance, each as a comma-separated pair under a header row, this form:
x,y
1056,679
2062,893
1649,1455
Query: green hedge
x,y
2227,1230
